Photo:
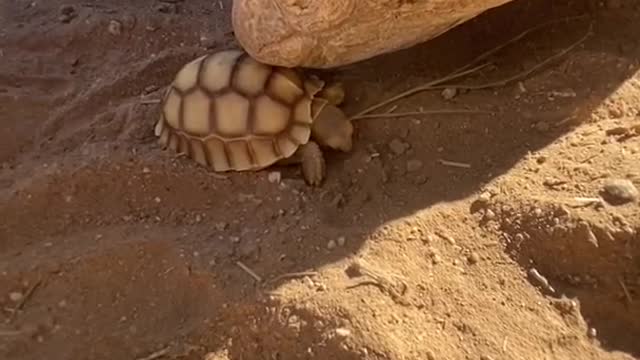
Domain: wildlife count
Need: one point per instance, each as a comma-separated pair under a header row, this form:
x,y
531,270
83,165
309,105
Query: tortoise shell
x,y
228,111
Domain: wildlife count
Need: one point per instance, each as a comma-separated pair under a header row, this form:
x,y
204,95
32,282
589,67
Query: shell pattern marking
x,y
227,111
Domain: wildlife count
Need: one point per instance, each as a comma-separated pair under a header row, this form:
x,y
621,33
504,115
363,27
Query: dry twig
x,y
425,112
454,164
26,298
293,275
627,295
382,281
428,86
157,354
249,271
470,68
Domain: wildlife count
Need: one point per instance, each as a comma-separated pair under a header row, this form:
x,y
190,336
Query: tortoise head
x,y
331,127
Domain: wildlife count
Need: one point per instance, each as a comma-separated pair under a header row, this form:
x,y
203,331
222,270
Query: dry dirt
x,y
111,248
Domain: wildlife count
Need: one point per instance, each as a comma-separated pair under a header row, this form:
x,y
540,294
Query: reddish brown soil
x,y
111,248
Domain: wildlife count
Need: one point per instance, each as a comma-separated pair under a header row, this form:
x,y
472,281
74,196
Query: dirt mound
x,y
481,235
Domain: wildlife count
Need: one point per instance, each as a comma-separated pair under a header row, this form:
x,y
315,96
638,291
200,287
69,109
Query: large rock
x,y
330,33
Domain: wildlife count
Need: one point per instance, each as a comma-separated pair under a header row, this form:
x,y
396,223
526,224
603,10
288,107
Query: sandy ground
x,y
111,248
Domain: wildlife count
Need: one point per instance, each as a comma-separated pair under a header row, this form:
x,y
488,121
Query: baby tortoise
x,y
229,112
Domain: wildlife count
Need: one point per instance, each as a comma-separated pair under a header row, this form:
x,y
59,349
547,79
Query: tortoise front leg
x,y
313,164
311,159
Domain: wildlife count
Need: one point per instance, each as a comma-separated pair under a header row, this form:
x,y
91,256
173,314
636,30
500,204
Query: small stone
x,y
620,191
489,215
15,296
67,13
115,27
485,357
436,259
414,165
331,245
449,93
342,332
592,332
221,226
146,170
62,304
397,146
341,241
430,355
542,126
234,239
473,258
274,177
157,199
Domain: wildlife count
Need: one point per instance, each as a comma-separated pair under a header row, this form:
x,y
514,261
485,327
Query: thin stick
x,y
10,333
427,86
26,298
294,275
454,164
432,85
525,73
157,354
425,112
625,290
518,37
249,271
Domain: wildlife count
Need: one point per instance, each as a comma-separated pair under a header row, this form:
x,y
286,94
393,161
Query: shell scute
x,y
171,108
286,147
284,87
195,113
270,117
187,77
264,151
231,114
217,70
251,77
217,154
240,157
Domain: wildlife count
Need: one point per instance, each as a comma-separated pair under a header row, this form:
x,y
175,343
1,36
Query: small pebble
x,y
542,126
331,245
592,333
115,27
15,296
620,191
397,146
489,215
342,332
342,240
414,165
274,177
146,170
67,13
449,93
474,258
485,357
